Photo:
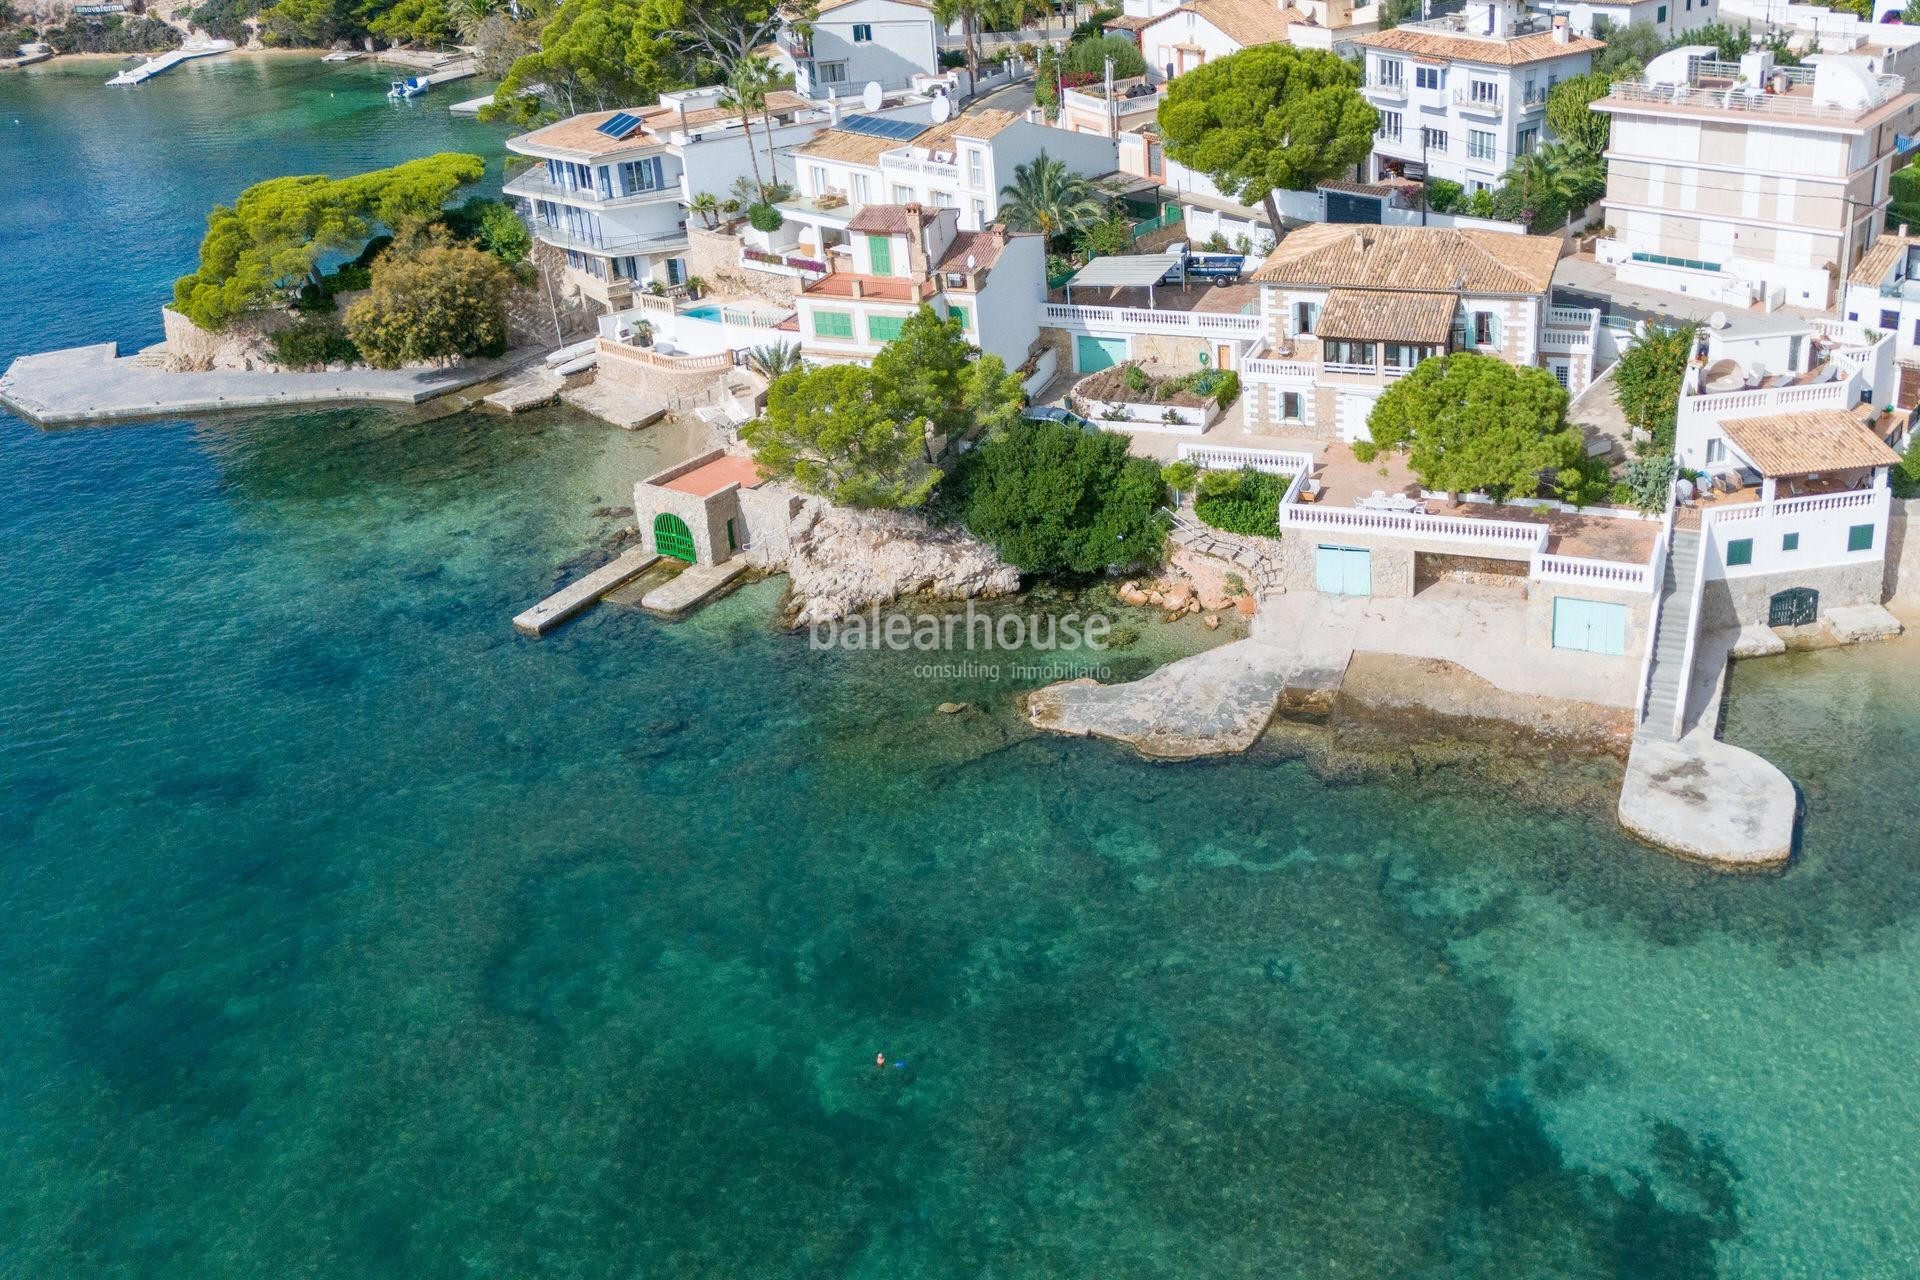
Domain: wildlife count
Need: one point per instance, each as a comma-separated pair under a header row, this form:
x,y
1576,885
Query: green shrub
x,y
1095,24
1180,476
1444,196
1089,54
764,217
1905,478
1648,481
1227,388
311,344
1244,501
1136,379
1053,498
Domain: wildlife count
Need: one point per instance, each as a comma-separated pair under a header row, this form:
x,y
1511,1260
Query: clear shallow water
x,y
347,934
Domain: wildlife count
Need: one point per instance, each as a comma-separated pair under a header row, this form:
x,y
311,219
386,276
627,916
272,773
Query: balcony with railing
x,y
607,245
1393,90
903,160
534,184
1083,319
1478,101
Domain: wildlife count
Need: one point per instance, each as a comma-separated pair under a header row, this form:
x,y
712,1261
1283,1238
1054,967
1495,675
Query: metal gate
x,y
1794,607
671,537
1343,206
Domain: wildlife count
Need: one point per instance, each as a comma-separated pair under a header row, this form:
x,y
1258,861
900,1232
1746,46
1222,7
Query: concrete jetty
x,y
692,587
1703,799
97,384
576,596
164,62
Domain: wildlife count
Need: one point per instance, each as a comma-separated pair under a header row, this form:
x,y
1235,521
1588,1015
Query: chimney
x,y
1561,33
1359,240
1339,13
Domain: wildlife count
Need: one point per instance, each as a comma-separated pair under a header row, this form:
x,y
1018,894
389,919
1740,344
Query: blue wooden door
x,y
1589,626
1343,571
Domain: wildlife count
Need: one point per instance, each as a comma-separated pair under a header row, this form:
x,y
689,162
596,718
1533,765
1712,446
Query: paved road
x,y
1014,97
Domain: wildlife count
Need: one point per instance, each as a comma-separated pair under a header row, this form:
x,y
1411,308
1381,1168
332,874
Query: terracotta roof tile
x,y
1511,52
1798,444
891,219
847,147
1881,257
1245,22
1422,259
1372,316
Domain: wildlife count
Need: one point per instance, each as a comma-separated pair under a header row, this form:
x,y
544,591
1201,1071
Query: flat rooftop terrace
x,y
710,478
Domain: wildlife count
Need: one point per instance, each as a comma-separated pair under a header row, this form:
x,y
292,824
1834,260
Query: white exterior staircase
x,y
1673,639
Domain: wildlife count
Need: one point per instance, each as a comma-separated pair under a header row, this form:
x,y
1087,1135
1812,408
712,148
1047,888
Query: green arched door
x,y
671,537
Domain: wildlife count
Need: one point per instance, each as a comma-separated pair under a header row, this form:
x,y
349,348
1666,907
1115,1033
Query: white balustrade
x,y
1618,574
1146,320
1511,534
1854,498
1216,457
1256,367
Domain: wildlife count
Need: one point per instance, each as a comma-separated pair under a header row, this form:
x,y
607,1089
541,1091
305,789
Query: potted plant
x,y
696,287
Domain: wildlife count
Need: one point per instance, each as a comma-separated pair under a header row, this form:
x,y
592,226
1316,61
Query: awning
x,y
1370,315
1815,440
1129,271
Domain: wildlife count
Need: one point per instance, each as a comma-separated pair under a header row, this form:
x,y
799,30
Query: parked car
x,y
1050,413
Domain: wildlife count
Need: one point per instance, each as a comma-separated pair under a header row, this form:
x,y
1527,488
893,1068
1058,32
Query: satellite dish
x,y
1582,18
972,262
870,96
1718,320
942,108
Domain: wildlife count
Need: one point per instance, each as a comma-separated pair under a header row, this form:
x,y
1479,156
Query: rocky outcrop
x,y
841,561
242,345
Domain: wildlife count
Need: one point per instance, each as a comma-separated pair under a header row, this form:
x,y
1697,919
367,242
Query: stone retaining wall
x,y
1738,602
714,256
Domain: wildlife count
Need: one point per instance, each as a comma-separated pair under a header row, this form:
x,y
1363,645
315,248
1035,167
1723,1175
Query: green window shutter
x,y
966,321
833,324
884,328
880,248
1739,552
1790,542
1860,538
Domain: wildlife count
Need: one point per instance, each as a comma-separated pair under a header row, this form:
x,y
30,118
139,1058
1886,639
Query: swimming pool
x,y
745,317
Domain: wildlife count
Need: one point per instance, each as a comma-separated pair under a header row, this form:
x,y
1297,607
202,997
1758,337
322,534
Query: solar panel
x,y
620,125
881,127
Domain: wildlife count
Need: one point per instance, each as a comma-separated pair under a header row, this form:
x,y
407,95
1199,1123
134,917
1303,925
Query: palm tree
x,y
1045,196
1557,171
707,206
467,16
746,93
775,359
946,13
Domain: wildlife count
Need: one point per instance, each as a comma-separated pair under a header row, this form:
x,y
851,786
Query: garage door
x,y
1092,355
1589,626
1343,571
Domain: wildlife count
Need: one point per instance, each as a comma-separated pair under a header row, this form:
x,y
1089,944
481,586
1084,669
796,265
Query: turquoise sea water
x,y
345,933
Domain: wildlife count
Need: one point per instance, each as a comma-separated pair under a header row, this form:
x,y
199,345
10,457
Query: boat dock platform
x,y
164,62
574,597
692,587
434,68
343,55
472,106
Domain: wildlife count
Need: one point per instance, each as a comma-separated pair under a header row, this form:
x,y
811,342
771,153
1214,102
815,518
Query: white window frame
x,y
1479,144
830,72
1390,122
863,33
1425,77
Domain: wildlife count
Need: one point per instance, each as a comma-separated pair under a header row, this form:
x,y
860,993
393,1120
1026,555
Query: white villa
x,y
1747,183
1463,96
612,187
960,163
1347,309
1884,292
850,44
908,255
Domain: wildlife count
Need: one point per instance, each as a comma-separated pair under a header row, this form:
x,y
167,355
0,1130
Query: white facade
x,y
903,257
1883,292
853,43
1669,17
1744,183
961,164
1462,98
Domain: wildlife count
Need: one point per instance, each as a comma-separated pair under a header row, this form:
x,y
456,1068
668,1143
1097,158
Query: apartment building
x,y
960,163
903,256
1747,183
849,44
1348,309
1463,96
